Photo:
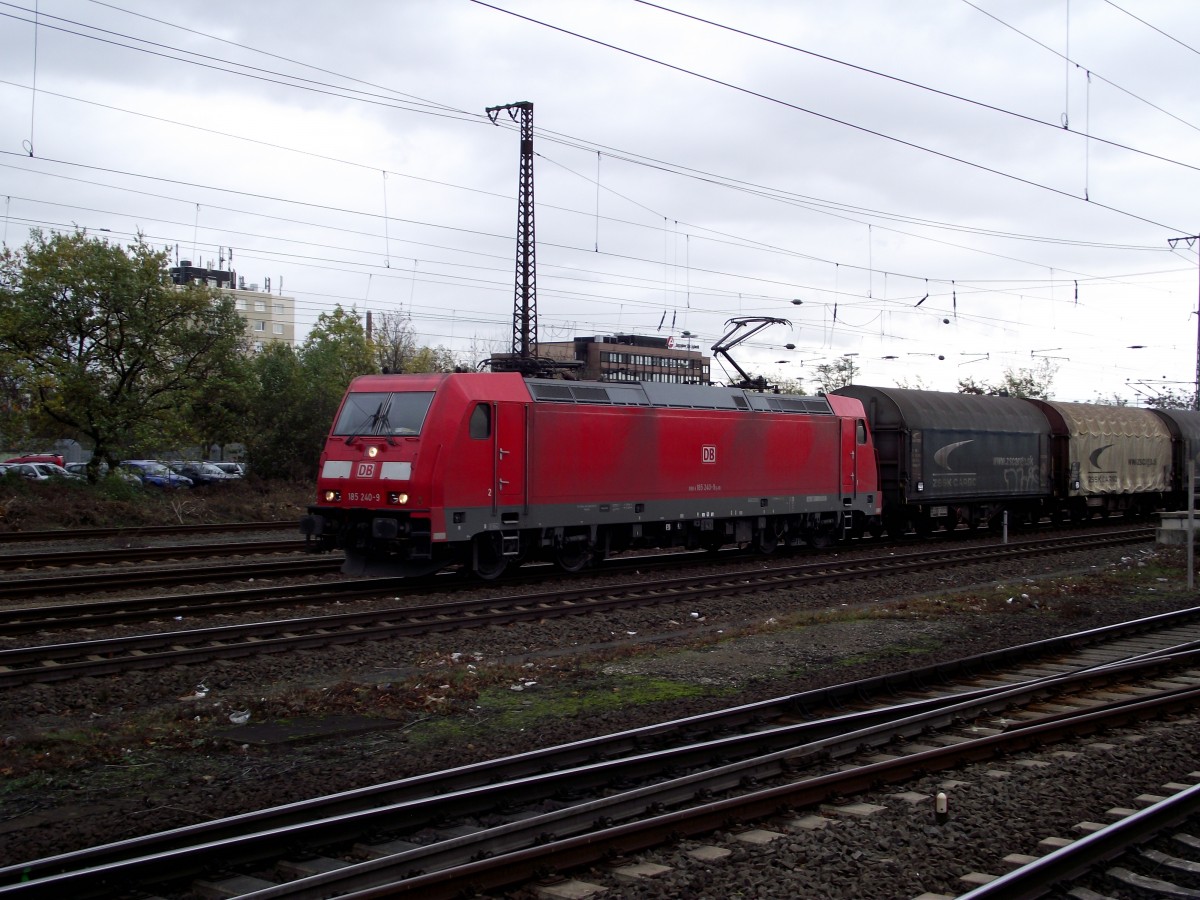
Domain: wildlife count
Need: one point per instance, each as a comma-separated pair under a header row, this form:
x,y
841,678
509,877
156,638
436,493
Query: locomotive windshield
x,y
382,412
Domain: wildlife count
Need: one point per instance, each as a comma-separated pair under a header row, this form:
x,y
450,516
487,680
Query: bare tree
x,y
394,342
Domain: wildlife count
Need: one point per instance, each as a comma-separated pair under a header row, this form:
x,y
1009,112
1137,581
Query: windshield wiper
x,y
376,422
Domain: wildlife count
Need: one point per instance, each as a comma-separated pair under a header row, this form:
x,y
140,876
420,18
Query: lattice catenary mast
x,y
524,343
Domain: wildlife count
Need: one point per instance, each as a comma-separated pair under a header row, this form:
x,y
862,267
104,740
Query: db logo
x,y
366,470
708,454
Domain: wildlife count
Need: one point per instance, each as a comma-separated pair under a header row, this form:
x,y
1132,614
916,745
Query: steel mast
x,y
524,342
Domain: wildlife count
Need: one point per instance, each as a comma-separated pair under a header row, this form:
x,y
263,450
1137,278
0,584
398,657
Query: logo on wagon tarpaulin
x,y
942,456
1095,458
708,454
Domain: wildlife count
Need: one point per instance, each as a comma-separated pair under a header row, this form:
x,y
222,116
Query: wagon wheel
x,y
573,557
487,561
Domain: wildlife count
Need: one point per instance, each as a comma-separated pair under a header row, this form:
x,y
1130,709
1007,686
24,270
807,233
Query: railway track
x,y
116,576
97,613
122,555
1122,856
57,662
95,582
141,531
495,824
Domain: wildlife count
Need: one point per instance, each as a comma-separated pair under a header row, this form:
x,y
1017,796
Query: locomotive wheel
x,y
573,557
766,542
821,540
487,562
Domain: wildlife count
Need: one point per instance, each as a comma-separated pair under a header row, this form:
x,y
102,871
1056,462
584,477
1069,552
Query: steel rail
x,y
57,662
118,580
95,613
91,582
1079,857
83,534
119,555
392,877
776,753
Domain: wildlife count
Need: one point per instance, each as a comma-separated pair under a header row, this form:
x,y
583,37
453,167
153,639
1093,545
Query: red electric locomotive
x,y
487,470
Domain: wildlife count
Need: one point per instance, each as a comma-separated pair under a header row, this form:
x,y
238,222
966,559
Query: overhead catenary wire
x,y
949,157
687,232
301,83
366,214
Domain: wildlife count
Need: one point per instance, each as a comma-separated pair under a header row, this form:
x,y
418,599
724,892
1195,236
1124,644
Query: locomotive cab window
x,y
481,421
382,412
861,432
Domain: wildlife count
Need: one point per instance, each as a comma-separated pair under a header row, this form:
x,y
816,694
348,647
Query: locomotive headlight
x,y
372,452
332,496
398,499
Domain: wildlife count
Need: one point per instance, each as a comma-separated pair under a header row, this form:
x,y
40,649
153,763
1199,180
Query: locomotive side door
x,y
511,481
854,435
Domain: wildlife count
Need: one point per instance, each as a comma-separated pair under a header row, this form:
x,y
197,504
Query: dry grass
x,y
39,506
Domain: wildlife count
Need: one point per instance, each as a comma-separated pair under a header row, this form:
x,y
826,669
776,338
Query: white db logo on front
x,y
708,453
366,470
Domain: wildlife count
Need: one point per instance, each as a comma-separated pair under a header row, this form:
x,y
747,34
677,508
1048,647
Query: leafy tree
x,y
221,413
277,443
99,345
790,386
1171,398
431,359
1024,382
395,346
300,391
916,383
831,376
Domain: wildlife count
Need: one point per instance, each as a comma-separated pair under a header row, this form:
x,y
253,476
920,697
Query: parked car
x,y
39,471
232,468
51,470
202,473
25,470
154,473
54,458
124,474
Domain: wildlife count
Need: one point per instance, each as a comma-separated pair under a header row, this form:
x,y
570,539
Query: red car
x,y
487,470
54,458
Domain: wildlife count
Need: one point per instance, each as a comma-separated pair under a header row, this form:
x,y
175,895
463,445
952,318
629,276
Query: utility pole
x,y
1191,241
524,344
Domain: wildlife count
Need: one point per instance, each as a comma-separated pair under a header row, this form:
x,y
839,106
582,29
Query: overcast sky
x,y
949,188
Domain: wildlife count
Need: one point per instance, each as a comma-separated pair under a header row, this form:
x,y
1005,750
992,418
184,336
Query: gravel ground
x,y
901,851
99,760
